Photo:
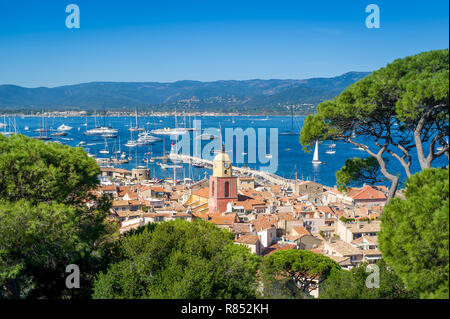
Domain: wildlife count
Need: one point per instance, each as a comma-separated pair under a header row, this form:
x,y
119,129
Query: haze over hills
x,y
248,96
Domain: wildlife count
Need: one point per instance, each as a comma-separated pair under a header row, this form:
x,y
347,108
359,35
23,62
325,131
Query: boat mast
x,y
292,118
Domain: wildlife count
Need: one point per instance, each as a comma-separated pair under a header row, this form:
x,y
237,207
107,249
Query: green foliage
x,y
180,259
291,273
351,284
414,234
346,220
45,222
42,172
357,171
399,107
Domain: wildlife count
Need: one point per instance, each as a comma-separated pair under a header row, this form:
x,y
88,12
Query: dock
x,y
239,171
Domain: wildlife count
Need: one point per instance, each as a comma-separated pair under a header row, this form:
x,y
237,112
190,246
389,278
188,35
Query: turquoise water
x,y
291,157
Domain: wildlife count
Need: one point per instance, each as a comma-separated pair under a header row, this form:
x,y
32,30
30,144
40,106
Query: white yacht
x,y
101,131
206,137
145,138
64,128
169,131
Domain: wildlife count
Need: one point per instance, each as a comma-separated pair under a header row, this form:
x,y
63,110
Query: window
x,y
227,189
212,189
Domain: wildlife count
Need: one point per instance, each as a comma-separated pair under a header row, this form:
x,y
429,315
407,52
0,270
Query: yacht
x,y
145,138
169,131
101,131
59,133
331,149
64,128
197,164
131,143
109,135
206,137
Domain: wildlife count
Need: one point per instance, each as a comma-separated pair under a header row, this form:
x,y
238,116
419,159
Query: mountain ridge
x,y
274,95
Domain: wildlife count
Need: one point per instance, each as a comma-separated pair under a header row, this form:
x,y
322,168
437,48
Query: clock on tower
x,y
222,184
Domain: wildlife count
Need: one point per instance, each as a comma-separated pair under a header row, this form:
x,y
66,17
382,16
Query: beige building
x,y
246,183
140,174
313,191
251,241
348,232
343,250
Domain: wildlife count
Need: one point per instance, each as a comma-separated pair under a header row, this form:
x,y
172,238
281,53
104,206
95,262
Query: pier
x,y
239,171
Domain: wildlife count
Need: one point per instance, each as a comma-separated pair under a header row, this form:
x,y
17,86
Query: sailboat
x,y
136,128
100,130
106,150
316,154
119,150
132,142
291,132
42,130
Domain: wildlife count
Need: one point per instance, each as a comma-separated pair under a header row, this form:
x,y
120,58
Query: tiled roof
x,y
366,193
343,248
278,246
202,192
301,231
228,219
250,239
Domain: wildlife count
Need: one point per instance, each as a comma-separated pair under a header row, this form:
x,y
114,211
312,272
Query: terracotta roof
x,y
228,219
108,188
366,193
202,192
278,246
158,189
241,228
249,239
116,203
301,231
261,224
325,209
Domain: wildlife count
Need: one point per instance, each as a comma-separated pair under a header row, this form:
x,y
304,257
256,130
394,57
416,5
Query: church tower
x,y
222,184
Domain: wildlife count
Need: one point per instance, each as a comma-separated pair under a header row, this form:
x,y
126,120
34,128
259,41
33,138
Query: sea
x,y
291,160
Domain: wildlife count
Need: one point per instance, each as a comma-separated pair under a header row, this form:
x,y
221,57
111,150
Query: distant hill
x,y
250,96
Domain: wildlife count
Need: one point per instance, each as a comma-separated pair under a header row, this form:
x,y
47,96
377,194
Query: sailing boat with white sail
x,y
316,154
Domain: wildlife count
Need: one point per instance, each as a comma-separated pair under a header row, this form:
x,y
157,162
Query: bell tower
x,y
222,184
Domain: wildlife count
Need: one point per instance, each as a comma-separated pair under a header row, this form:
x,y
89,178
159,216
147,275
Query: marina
x,y
113,144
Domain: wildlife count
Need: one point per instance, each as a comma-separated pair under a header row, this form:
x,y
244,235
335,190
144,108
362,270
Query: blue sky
x,y
210,40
